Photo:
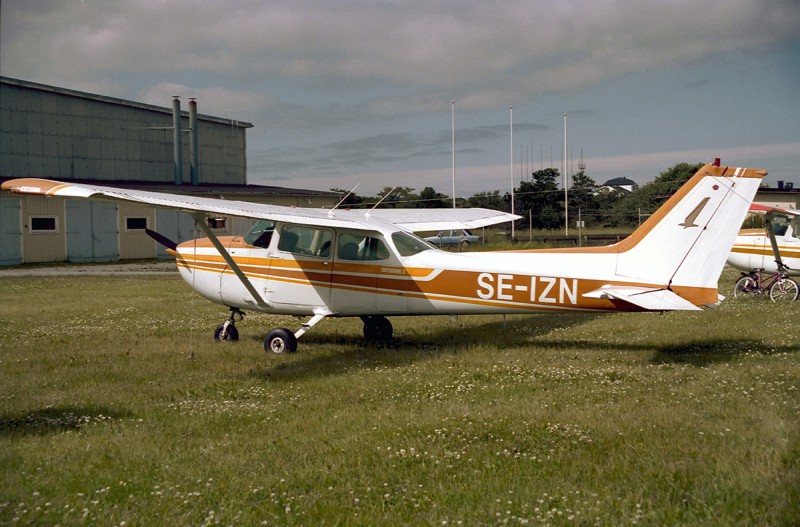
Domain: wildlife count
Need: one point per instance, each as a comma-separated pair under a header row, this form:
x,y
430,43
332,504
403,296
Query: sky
x,y
359,92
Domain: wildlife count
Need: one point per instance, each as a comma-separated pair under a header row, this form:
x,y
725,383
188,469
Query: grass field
x,y
116,408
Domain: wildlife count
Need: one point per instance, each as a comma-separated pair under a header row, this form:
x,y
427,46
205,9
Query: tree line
x,y
541,202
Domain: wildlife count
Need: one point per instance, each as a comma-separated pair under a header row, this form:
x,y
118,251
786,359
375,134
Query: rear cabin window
x,y
361,247
308,241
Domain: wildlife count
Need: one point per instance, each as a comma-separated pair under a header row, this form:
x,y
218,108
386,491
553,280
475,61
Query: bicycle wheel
x,y
783,290
745,286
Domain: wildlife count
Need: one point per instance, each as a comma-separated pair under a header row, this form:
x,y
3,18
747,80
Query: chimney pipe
x,y
177,140
194,154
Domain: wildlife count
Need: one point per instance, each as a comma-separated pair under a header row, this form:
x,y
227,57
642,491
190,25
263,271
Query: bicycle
x,y
781,288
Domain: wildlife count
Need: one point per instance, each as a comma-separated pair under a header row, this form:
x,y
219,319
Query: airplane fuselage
x,y
431,281
753,250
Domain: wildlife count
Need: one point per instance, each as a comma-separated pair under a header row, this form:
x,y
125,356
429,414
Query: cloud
x,y
641,168
484,52
217,101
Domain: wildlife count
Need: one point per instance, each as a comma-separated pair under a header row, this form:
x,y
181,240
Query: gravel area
x,y
109,269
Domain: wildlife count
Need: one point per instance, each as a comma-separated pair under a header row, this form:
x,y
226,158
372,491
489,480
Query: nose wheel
x,y
227,330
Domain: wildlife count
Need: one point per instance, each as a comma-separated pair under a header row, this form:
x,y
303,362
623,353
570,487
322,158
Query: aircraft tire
x,y
377,329
787,293
279,340
232,333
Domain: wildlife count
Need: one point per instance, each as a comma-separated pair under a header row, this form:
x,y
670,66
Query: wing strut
x,y
200,219
772,240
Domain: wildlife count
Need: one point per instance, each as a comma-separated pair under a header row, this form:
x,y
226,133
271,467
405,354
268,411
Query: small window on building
x,y
216,223
43,225
135,223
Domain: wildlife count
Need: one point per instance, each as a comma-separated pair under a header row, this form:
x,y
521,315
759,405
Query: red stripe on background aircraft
x,y
764,248
340,263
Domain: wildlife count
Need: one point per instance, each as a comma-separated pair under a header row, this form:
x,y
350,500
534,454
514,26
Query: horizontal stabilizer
x,y
645,297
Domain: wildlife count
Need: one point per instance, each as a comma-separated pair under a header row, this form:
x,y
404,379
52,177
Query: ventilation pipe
x,y
194,155
176,139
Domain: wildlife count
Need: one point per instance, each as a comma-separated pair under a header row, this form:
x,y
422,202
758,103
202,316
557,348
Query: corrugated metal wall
x,y
62,136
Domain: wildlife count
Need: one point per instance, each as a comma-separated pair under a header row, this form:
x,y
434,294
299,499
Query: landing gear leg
x,y
227,330
377,329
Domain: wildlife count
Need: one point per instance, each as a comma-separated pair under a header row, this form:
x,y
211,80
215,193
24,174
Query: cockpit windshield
x,y
260,234
409,245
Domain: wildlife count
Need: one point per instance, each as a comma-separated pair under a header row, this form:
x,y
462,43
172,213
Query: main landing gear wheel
x,y
279,340
377,329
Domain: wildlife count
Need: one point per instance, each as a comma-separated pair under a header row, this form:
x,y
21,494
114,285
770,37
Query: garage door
x,y
10,232
92,231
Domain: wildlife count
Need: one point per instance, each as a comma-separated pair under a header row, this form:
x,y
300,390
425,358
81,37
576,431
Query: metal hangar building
x,y
66,135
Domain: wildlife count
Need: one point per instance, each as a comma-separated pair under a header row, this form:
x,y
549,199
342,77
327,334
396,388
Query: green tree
x,y
352,198
401,197
644,201
488,200
583,197
430,199
542,197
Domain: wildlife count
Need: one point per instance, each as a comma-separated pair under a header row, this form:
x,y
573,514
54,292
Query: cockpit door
x,y
300,267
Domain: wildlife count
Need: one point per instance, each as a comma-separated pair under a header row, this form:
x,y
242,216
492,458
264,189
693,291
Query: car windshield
x,y
409,245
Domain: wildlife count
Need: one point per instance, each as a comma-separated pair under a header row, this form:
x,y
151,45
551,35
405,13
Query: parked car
x,y
456,237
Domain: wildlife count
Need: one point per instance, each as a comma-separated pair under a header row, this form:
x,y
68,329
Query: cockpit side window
x,y
309,241
779,226
260,234
353,246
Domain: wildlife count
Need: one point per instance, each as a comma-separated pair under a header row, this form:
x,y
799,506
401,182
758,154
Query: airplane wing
x,y
442,219
645,297
765,209
411,219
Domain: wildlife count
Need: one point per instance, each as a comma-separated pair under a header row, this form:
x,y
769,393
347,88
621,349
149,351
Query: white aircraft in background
x,y
345,263
763,248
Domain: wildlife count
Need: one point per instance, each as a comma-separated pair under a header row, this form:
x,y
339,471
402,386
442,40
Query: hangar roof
x,y
113,100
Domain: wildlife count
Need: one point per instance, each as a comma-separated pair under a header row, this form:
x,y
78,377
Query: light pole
x,y
566,182
453,128
511,162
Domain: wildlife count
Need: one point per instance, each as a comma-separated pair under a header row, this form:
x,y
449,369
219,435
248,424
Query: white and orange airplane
x,y
346,263
764,248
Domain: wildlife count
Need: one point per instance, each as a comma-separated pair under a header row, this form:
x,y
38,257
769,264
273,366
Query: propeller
x,y
160,238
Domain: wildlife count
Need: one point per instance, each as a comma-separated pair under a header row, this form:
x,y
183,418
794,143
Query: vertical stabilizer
x,y
687,240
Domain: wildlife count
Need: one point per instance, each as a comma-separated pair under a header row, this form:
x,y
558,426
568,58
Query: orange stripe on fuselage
x,y
491,290
785,251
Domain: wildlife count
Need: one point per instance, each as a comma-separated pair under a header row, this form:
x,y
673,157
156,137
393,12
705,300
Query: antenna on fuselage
x,y
330,212
380,201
